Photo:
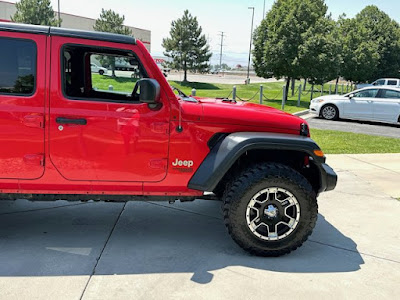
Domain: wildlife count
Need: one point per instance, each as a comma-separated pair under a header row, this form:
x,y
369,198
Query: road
x,y
225,78
372,128
96,250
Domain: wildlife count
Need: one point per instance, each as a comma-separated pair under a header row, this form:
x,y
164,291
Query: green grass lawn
x,y
330,141
272,91
338,142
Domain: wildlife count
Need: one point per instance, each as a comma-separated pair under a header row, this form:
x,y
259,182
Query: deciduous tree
x,y
371,46
291,31
320,53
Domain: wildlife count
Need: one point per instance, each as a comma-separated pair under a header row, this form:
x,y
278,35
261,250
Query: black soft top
x,y
74,33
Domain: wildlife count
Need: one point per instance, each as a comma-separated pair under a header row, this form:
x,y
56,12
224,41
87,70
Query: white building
x,y
7,9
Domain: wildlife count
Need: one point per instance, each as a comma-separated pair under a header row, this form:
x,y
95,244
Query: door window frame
x,y
95,49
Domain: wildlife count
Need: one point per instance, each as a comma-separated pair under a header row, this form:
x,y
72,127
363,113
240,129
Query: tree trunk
x,y
113,67
336,86
312,92
287,88
293,86
184,72
305,84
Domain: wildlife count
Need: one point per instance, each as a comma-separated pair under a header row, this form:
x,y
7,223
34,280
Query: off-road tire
x,y
246,185
329,112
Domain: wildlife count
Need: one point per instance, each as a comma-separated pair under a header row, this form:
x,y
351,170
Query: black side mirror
x,y
149,91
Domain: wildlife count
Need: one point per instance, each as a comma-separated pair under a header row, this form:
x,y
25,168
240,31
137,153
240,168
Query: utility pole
x,y
220,54
251,40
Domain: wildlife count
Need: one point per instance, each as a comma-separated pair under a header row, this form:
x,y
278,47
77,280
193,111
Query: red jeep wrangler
x,y
65,135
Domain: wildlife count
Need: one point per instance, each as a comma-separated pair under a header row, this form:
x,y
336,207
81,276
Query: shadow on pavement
x,y
150,238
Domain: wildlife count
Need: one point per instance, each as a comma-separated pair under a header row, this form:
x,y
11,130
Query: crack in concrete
x,y
313,241
102,250
354,251
184,210
369,163
39,209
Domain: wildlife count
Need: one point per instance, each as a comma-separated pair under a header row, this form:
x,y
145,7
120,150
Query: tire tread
x,y
247,179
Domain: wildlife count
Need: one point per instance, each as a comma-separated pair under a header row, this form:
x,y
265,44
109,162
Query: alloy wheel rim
x,y
272,214
329,112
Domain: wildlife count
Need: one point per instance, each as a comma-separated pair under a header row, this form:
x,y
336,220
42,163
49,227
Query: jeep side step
x,y
107,198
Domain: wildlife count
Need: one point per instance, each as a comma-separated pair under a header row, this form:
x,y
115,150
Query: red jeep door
x,y
97,130
22,98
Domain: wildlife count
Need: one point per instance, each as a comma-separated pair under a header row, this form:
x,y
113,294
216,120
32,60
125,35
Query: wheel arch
x,y
230,154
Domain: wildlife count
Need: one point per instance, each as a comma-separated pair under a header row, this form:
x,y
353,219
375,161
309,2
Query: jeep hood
x,y
220,111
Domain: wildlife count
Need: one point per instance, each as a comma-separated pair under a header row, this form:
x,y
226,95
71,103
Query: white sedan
x,y
96,69
381,104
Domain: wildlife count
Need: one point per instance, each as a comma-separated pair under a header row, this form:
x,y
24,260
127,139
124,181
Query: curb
x,y
301,113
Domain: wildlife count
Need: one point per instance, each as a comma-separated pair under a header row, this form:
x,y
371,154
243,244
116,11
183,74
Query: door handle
x,y
61,120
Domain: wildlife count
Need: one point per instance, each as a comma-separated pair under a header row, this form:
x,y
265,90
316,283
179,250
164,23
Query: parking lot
x,y
224,78
372,128
154,250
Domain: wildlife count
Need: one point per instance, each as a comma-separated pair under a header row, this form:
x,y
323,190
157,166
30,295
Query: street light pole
x,y
264,11
251,40
59,14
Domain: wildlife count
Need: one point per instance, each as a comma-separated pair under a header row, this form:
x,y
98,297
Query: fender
x,y
226,151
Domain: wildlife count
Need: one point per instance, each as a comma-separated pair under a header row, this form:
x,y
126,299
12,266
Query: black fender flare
x,y
227,150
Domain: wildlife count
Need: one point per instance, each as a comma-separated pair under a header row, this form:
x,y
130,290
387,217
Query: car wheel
x,y
330,112
270,209
101,72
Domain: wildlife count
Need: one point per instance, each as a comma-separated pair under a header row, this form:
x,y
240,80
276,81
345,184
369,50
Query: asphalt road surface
x,y
372,128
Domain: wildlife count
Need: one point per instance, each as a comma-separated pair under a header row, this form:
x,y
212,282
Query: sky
x,y
229,16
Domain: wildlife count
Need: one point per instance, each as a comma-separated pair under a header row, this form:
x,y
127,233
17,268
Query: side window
x,y
17,66
390,94
367,94
392,82
100,74
379,82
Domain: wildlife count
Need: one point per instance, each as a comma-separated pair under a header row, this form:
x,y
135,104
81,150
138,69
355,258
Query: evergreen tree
x,y
110,21
187,46
36,12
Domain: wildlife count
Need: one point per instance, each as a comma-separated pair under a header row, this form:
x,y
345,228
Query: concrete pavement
x,y
379,170
154,250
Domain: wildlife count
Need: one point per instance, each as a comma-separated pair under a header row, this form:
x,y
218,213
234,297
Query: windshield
x,y
178,92
182,95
